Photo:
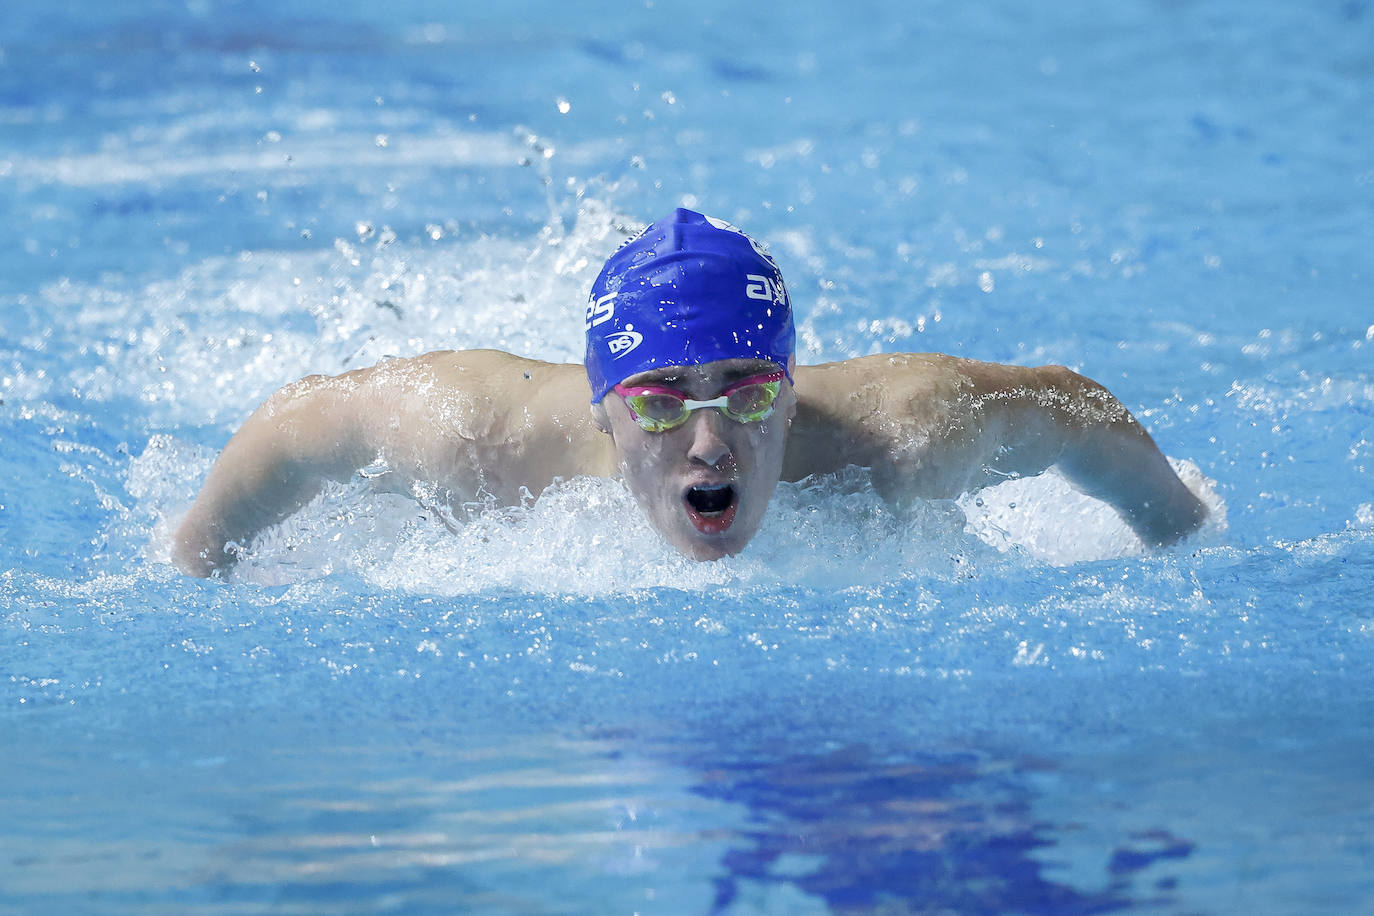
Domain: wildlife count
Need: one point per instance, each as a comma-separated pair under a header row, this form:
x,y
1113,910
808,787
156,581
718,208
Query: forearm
x,y
279,460
239,500
1110,456
1125,469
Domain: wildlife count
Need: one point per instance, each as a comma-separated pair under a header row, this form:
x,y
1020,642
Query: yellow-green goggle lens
x,y
660,411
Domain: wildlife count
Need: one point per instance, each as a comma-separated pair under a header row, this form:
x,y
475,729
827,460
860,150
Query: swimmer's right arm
x,y
305,434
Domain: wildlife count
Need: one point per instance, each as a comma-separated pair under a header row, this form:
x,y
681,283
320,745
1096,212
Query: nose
x,y
708,446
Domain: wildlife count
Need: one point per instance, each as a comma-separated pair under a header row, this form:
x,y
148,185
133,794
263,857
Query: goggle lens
x,y
658,410
752,403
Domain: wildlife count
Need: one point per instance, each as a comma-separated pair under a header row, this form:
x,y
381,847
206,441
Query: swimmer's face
x,y
704,485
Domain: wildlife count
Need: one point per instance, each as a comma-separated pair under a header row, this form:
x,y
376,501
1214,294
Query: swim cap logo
x,y
766,289
623,342
726,227
600,311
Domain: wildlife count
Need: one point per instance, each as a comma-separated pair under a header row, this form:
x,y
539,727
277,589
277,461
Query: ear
x,y
599,417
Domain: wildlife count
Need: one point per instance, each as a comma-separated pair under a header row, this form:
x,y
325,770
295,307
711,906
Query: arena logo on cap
x,y
765,288
600,311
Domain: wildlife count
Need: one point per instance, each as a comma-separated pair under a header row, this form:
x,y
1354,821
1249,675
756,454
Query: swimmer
x,y
696,402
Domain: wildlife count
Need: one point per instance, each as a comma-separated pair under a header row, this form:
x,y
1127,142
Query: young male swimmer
x,y
696,402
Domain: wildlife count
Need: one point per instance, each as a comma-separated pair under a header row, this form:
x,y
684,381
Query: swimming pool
x,y
996,705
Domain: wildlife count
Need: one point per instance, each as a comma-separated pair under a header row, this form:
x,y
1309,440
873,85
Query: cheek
x,y
770,440
641,460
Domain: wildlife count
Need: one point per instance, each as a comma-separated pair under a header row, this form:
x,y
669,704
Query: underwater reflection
x,y
862,831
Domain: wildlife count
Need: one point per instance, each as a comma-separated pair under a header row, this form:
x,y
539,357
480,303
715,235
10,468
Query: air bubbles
x,y
378,467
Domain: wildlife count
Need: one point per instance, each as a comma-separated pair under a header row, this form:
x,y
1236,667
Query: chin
x,y
698,545
703,550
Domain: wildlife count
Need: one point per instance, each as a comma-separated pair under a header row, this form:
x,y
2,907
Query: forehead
x,y
713,374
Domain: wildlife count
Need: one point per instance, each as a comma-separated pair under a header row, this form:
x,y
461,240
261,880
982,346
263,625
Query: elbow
x,y
1080,394
192,562
195,552
1166,521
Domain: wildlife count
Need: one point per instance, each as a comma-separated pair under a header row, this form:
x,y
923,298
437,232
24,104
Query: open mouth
x,y
711,507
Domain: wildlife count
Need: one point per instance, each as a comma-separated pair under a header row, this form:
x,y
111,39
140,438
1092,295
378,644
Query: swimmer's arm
x,y
307,433
1053,416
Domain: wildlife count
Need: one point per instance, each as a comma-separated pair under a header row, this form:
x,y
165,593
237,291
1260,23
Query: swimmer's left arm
x,y
1053,416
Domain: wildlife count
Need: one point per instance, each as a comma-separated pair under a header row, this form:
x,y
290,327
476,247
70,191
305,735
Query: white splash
x,y
587,536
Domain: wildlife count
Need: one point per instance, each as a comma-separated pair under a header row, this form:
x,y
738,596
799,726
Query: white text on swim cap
x,y
765,288
600,311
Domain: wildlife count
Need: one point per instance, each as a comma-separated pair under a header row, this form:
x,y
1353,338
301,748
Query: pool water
x,y
995,704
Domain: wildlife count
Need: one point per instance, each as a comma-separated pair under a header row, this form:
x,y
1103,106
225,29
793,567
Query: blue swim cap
x,y
688,290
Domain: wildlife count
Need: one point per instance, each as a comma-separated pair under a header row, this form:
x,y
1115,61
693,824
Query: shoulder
x,y
443,392
884,380
890,409
483,371
438,374
895,379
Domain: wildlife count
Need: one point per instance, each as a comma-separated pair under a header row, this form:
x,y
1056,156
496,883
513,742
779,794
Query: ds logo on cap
x,y
622,342
601,310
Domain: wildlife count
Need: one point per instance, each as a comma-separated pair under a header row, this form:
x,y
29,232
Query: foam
x,y
1051,521
237,328
586,536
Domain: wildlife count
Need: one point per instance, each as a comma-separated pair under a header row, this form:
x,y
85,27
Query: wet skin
x,y
483,424
704,485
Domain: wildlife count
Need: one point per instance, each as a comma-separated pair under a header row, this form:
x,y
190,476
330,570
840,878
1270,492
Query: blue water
x,y
1000,704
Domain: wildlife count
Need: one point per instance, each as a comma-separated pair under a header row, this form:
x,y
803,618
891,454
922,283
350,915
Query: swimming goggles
x,y
658,409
